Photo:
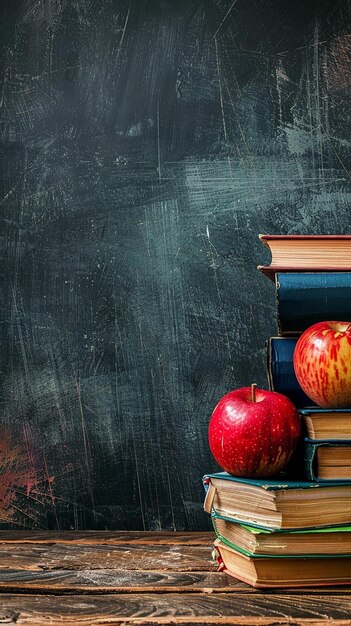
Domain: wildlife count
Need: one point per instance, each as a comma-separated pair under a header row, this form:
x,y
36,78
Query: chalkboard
x,y
145,144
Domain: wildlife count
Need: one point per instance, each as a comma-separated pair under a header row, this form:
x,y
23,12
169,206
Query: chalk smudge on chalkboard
x,y
26,490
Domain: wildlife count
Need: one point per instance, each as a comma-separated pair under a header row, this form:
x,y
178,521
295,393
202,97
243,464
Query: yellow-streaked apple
x,y
322,363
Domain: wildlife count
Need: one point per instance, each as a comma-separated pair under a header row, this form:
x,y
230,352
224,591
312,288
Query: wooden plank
x,y
101,537
71,556
171,608
107,581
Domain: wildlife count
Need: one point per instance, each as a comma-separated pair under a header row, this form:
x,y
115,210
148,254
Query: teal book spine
x,y
271,485
317,409
311,462
305,298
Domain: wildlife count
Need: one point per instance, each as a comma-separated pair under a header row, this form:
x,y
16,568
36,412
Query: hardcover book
x,y
278,504
253,541
328,459
327,423
307,253
306,298
269,571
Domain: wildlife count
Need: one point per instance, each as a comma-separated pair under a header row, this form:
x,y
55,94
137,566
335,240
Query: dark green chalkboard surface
x,y
145,144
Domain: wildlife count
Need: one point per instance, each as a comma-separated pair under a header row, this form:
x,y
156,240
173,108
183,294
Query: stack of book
x,y
312,275
281,534
285,533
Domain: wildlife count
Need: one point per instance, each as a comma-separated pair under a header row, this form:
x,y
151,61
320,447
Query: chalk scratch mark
x,y
123,34
221,92
170,498
158,143
50,492
139,485
341,163
20,334
21,177
214,265
224,19
85,438
318,102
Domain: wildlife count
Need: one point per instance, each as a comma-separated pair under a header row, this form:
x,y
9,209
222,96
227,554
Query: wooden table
x,y
142,578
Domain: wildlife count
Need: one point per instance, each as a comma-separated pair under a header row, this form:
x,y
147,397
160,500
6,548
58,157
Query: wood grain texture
x,y
72,563
76,581
106,550
36,594
174,608
101,537
120,558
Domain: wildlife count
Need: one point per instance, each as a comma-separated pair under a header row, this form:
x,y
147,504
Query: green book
x,y
261,543
278,505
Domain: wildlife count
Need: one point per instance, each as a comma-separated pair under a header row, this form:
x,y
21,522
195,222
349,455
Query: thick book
x,y
278,504
328,459
326,423
280,370
306,298
253,541
269,571
315,253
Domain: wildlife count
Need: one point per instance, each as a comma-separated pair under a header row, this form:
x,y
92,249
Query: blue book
x,y
305,298
280,369
278,504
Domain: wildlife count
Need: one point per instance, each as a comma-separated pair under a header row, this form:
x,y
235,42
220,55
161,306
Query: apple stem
x,y
253,392
348,327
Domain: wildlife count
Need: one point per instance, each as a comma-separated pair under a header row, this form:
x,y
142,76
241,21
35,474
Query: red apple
x,y
253,433
322,363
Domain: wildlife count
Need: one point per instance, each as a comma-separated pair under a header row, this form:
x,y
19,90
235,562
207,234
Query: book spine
x,y
311,447
280,370
305,298
311,470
